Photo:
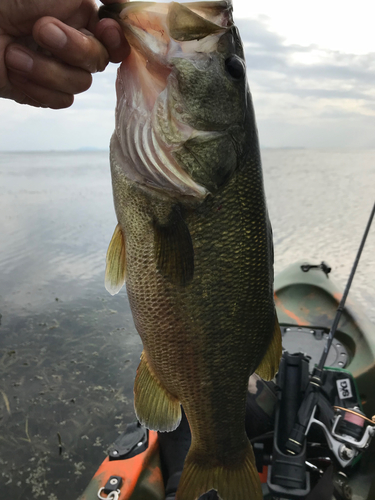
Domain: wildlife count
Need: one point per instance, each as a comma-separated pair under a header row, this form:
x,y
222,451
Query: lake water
x,y
69,351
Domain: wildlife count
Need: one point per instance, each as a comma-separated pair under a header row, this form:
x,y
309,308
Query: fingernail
x,y
53,36
19,60
111,38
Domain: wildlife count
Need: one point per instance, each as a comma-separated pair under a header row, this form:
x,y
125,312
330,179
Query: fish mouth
x,y
157,23
158,34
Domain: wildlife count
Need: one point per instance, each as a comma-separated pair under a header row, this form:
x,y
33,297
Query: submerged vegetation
x,y
62,377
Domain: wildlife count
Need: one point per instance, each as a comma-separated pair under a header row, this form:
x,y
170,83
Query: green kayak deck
x,y
311,299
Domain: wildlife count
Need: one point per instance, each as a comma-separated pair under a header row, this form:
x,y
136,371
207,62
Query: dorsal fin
x,y
269,365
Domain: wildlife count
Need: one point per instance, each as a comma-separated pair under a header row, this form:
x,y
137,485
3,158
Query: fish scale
x,y
163,312
198,261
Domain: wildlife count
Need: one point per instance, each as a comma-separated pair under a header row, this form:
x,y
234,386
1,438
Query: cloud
x,y
306,95
88,123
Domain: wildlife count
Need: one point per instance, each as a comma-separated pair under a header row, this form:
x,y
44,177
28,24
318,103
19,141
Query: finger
x,y
27,92
70,45
111,35
46,71
7,90
108,2
19,96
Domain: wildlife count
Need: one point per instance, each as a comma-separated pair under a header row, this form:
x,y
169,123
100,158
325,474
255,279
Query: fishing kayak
x,y
310,298
145,465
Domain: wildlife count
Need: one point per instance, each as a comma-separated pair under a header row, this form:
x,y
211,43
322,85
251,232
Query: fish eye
x,y
235,67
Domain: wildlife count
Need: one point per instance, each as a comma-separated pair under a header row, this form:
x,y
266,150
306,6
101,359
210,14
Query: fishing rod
x,y
296,439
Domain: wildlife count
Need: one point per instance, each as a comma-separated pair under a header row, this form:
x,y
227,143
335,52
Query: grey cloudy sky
x,y
307,96
311,86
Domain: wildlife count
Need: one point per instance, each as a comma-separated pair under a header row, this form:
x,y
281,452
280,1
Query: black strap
x,y
324,489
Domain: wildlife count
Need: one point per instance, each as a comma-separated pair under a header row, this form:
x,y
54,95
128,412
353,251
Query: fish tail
x,y
240,482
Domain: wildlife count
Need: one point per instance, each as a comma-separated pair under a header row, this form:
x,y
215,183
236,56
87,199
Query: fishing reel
x,y
336,424
348,436
353,430
346,429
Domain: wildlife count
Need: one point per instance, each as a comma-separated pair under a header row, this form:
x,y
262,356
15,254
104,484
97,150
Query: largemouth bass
x,y
193,240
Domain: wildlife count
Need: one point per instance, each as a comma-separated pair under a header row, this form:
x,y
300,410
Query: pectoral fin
x,y
154,406
116,262
269,365
174,249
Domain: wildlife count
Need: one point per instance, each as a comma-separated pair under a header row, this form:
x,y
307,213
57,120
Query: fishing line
x,y
341,307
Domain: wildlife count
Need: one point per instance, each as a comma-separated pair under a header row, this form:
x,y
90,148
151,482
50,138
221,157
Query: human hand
x,y
48,49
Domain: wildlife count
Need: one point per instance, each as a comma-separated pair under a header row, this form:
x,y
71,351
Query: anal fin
x,y
269,365
116,262
154,406
174,249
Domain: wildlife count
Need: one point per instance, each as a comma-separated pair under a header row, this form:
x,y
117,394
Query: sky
x,y
311,69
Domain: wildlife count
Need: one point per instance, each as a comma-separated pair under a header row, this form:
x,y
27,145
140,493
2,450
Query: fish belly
x,y
203,340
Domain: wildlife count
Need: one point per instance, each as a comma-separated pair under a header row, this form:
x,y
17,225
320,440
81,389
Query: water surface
x,y
69,351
